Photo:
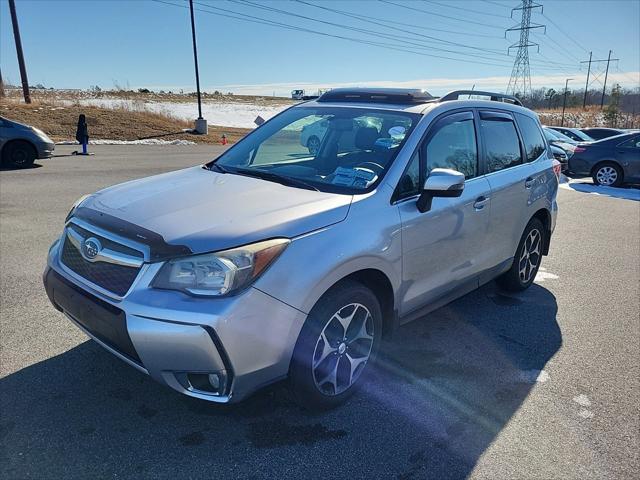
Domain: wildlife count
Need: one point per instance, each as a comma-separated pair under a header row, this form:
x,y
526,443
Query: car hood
x,y
207,211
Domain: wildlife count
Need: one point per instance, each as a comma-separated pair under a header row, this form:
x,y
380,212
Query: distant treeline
x,y
627,100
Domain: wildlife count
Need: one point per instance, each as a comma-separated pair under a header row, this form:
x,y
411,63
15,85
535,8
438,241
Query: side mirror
x,y
441,182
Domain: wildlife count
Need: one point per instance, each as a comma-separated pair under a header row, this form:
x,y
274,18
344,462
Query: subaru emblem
x,y
91,248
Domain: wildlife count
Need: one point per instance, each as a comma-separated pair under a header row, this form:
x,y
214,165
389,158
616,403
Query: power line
x,y
253,19
464,9
497,3
421,27
483,24
372,32
368,20
565,34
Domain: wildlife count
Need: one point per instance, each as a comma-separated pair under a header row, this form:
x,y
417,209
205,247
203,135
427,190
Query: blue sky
x,y
142,43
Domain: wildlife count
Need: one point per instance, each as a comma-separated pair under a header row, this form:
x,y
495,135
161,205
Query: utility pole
x,y
592,62
16,36
520,80
604,89
1,86
564,102
586,87
201,123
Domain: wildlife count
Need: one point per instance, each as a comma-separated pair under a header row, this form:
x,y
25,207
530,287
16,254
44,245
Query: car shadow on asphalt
x,y
443,389
7,168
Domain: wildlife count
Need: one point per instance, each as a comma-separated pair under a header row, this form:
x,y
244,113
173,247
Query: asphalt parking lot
x,y
544,384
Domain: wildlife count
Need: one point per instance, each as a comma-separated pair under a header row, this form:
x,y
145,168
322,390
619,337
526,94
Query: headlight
x,y
41,134
75,205
219,273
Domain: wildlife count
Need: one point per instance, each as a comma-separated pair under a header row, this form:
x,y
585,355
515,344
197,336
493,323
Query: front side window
x,y
337,149
532,137
501,143
453,145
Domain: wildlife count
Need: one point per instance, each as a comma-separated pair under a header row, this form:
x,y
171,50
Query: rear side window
x,y
502,145
531,136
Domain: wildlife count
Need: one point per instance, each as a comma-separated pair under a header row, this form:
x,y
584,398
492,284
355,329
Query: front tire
x,y
607,174
18,154
339,339
527,259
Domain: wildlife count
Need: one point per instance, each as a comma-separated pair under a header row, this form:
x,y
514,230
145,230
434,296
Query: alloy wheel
x,y
530,256
343,349
607,175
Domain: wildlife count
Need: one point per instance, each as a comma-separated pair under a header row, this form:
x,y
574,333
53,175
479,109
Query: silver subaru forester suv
x,y
272,262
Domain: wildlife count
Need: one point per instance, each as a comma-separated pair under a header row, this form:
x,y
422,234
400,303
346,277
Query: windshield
x,y
335,149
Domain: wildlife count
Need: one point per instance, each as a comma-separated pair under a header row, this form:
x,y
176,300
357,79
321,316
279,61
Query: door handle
x,y
480,202
528,183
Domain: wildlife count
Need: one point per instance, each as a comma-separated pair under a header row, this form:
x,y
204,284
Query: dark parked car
x,y
574,134
600,133
611,162
21,144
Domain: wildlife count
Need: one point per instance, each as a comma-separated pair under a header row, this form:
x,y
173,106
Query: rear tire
x,y
18,154
607,174
339,339
527,259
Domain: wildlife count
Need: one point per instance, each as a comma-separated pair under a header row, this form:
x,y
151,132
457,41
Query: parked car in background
x,y
21,145
610,162
268,263
559,140
574,133
601,132
297,94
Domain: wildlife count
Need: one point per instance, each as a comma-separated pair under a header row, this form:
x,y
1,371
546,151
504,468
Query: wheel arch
x,y
380,284
544,216
600,163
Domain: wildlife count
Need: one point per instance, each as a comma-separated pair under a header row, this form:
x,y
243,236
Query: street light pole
x,y
201,123
564,102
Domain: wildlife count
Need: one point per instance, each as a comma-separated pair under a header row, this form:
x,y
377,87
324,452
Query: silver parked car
x,y
271,263
21,145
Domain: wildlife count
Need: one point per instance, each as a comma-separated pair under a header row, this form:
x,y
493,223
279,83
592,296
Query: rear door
x,y
511,180
443,248
628,155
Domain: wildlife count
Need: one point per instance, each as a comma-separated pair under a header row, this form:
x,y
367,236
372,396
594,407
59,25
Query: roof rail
x,y
495,97
401,96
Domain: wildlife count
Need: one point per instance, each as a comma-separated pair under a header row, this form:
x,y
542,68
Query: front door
x,y
444,247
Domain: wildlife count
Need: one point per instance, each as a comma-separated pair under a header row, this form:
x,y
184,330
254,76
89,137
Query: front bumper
x,y
45,150
246,341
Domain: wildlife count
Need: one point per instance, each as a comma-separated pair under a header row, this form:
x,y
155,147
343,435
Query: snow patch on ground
x,y
532,376
148,141
616,192
226,114
543,275
582,400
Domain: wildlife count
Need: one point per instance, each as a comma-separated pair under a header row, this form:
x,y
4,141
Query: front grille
x,y
112,277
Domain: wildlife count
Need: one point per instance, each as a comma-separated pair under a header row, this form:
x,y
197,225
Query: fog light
x,y
214,380
212,383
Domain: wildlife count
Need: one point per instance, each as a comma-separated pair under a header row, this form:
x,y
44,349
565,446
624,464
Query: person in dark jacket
x,y
82,133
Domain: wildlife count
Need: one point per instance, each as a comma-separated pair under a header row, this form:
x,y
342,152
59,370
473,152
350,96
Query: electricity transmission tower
x,y
520,81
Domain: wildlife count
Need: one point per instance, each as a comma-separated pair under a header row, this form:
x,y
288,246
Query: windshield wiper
x,y
218,168
273,177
